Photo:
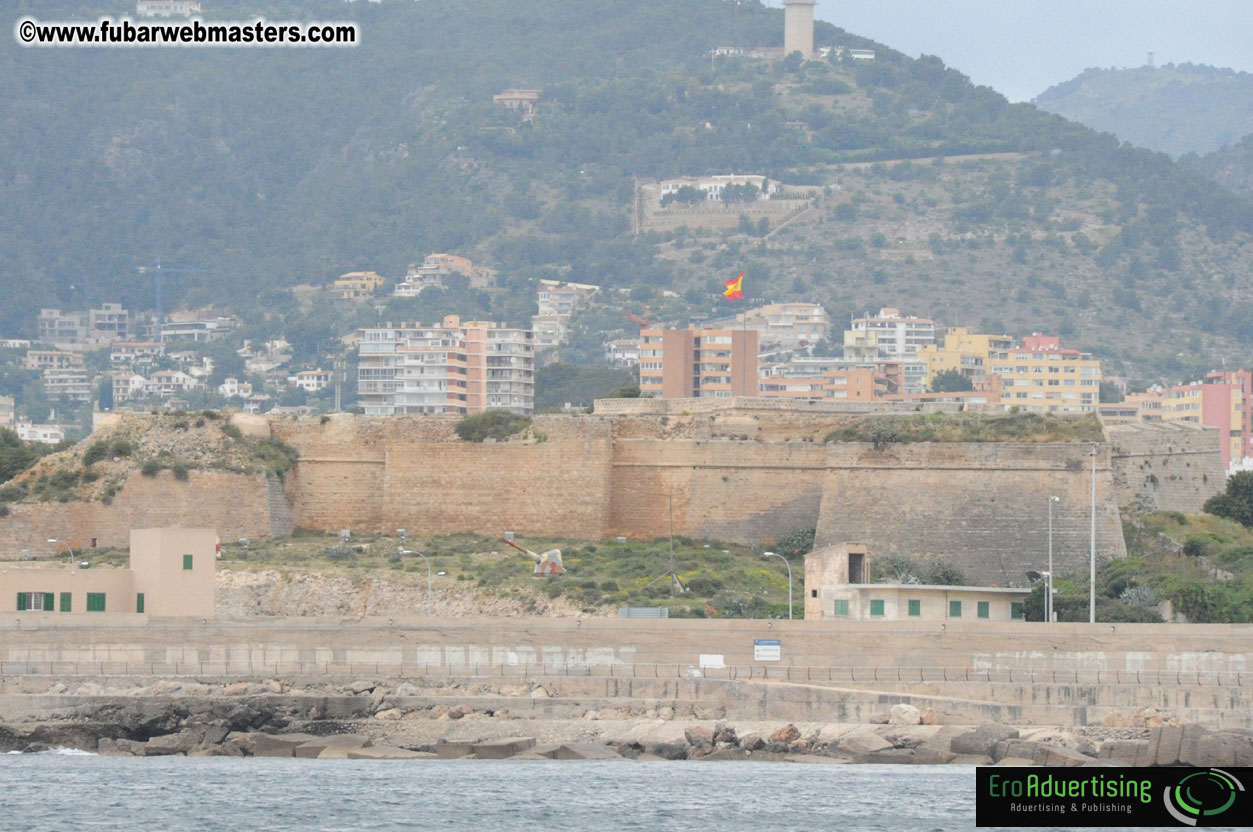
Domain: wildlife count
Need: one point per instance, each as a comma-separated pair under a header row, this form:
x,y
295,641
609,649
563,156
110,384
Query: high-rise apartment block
x,y
890,334
1041,377
454,367
698,363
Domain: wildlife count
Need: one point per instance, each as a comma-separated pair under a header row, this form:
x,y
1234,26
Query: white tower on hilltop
x,y
798,27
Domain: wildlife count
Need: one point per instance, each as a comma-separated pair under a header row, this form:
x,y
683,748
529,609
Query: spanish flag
x,y
734,288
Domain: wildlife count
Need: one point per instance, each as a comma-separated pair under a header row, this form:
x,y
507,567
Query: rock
x,y
929,716
179,743
539,693
453,749
699,736
278,745
1128,752
1164,744
726,734
108,747
1051,755
390,713
752,742
1220,749
584,751
878,719
409,689
1024,749
1015,761
787,734
718,754
980,740
903,714
272,686
665,712
165,687
861,742
503,748
459,712
385,752
338,746
670,750
215,734
236,689
88,689
971,760
362,686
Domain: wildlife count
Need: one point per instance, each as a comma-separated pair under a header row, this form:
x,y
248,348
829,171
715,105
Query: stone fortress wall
x,y
748,471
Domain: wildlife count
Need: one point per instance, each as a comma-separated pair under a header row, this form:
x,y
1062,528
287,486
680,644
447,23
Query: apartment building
x,y
1215,403
8,412
623,352
784,325
51,360
356,285
698,363
311,381
1042,377
454,367
109,323
713,186
969,353
127,353
432,273
891,334
68,382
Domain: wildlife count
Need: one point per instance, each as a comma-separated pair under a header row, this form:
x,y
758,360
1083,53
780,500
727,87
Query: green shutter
x,y
876,608
984,611
21,601
187,561
139,602
954,609
1015,610
95,602
66,597
915,608
841,607
50,602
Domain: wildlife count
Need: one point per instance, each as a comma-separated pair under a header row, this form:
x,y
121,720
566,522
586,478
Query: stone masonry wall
x,y
1160,467
981,506
237,505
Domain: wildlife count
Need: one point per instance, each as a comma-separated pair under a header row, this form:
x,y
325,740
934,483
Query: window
x,y
915,609
876,608
139,602
66,598
35,601
841,607
813,593
95,602
187,561
983,609
1015,610
954,609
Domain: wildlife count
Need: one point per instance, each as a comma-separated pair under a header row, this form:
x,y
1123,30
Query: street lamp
x,y
1048,589
404,551
1092,551
66,545
789,579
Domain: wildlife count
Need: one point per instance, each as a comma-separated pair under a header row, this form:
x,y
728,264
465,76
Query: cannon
x,y
547,564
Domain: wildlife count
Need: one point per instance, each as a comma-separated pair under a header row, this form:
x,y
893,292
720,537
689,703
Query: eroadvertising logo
x,y
1074,797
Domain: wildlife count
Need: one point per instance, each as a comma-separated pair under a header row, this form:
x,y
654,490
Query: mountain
x,y
1176,109
277,168
1231,167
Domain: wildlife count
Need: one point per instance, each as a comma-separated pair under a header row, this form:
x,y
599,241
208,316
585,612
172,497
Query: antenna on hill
x,y
1150,59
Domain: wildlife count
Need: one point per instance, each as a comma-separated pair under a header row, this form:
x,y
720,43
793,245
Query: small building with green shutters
x,y
171,574
837,587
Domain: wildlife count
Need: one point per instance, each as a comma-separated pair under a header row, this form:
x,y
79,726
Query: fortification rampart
x,y
1165,467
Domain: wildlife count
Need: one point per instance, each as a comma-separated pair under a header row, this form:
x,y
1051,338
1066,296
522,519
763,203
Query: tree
x,y
15,455
951,381
1111,393
687,194
1236,502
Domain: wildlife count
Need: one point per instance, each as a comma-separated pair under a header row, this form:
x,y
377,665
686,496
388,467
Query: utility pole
x,y
1048,587
1092,551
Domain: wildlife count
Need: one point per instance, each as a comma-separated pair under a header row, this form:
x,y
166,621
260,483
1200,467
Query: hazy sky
x,y
1022,47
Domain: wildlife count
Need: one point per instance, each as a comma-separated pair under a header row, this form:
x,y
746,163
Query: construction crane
x,y
547,564
642,321
157,269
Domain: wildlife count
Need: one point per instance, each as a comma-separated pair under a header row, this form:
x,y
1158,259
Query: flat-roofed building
x,y
838,587
355,285
1042,377
125,353
171,573
698,363
51,360
894,335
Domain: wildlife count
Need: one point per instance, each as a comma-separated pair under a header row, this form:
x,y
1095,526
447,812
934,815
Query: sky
x,y
1022,47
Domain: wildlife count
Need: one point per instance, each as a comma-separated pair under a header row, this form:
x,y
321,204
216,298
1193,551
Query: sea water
x,y
81,791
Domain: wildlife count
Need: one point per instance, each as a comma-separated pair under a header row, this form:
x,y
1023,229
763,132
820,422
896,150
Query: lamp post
x,y
789,579
428,576
66,545
1092,550
1048,589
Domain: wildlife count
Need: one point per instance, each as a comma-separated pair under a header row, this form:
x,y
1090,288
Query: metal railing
x,y
745,673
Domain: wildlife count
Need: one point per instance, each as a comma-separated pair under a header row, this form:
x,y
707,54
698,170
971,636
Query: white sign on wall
x,y
767,650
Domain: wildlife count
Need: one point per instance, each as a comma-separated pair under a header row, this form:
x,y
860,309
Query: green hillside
x,y
1176,108
281,167
1231,167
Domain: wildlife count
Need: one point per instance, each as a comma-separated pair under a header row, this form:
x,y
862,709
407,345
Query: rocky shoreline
x,y
381,719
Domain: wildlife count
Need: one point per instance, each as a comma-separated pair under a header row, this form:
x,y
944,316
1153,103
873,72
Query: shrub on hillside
x,y
494,424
